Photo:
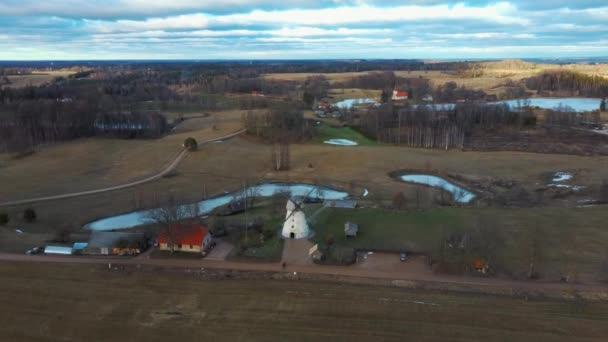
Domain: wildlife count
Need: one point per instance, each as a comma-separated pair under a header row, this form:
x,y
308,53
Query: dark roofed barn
x,y
115,243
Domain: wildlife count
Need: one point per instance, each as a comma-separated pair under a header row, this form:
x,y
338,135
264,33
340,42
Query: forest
x,y
572,83
436,127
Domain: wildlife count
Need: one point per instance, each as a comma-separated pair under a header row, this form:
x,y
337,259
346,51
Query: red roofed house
x,y
192,239
399,95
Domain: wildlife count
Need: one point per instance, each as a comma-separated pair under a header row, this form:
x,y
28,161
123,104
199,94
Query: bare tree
x,y
534,251
280,155
169,215
399,200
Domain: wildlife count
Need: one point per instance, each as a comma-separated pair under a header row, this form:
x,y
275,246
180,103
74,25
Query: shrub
x,y
29,215
191,144
3,219
399,200
603,192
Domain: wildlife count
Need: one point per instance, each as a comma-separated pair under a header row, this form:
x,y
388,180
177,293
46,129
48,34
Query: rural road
x,y
354,272
156,176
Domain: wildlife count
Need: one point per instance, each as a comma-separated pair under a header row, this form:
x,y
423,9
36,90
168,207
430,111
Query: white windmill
x,y
295,225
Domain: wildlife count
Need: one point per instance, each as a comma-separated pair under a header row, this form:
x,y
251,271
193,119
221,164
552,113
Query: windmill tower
x,y
295,225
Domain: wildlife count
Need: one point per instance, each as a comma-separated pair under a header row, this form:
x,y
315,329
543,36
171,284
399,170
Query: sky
x,y
301,29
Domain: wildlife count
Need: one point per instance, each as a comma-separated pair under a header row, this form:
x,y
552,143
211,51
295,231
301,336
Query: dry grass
x,y
92,163
37,78
493,75
72,303
354,93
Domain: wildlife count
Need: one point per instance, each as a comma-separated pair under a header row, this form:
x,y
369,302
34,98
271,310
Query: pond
x,y
341,142
460,195
576,103
138,218
354,102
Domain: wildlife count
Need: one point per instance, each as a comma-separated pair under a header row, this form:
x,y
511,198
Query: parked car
x,y
35,250
403,255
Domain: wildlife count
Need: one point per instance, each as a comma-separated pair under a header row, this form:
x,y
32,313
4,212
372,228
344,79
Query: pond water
x,y
138,218
341,142
460,195
354,102
578,104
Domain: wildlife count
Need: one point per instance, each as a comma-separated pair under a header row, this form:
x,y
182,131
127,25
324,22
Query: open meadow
x,y
92,163
36,78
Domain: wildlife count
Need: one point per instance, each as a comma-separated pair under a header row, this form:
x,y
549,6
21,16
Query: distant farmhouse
x,y
399,95
190,239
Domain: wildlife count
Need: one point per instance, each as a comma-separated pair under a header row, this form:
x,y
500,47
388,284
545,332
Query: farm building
x,y
399,95
58,250
315,253
351,229
344,204
185,238
115,243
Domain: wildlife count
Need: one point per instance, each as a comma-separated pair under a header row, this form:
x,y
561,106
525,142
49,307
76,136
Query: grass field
x,y
91,163
73,303
37,78
572,238
205,172
338,95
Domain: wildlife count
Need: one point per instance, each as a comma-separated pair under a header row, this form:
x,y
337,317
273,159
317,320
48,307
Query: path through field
x,y
170,167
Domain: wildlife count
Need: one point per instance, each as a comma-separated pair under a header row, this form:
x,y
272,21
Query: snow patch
x,y
341,142
460,195
562,176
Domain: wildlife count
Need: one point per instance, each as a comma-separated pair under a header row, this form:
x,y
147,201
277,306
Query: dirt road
x,y
156,176
492,285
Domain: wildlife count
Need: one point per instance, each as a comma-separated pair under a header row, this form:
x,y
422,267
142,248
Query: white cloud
x,y
501,13
484,35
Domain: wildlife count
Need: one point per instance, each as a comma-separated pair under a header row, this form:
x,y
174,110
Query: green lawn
x,y
569,238
258,248
327,132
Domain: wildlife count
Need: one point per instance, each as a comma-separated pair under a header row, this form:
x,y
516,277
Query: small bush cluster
x,y
3,219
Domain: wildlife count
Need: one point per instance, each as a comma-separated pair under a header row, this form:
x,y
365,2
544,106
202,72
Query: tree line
x,y
568,81
439,127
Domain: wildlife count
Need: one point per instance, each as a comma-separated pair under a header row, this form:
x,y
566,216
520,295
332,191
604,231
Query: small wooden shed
x,y
351,229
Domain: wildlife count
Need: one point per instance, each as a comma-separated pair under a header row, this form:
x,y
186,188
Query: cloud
x,y
236,29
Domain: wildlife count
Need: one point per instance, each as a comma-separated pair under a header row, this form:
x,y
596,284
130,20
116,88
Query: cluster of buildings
x,y
177,238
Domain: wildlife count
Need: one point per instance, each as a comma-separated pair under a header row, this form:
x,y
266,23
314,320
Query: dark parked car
x,y
35,250
403,255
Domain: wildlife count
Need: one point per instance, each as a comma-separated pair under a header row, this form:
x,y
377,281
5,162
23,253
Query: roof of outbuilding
x,y
111,239
184,234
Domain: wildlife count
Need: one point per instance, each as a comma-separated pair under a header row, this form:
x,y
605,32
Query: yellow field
x,y
354,93
300,77
37,78
491,74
